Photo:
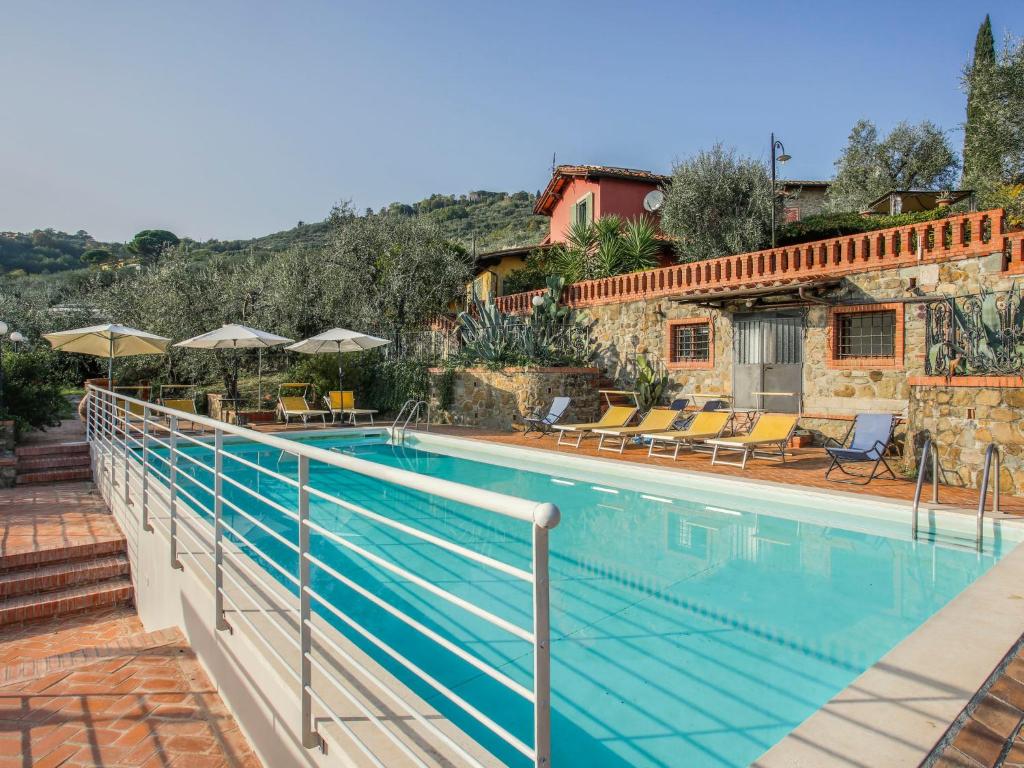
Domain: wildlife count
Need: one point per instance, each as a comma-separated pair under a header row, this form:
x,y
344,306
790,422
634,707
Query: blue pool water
x,y
692,631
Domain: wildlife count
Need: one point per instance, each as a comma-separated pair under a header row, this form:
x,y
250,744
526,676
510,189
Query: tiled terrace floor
x,y
94,689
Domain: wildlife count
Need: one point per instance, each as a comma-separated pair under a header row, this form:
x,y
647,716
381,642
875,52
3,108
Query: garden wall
x,y
481,397
962,418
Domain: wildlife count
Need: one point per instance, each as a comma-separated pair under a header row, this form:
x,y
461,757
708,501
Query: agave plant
x,y
650,383
489,334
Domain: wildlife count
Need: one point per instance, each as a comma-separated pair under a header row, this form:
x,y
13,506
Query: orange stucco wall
x,y
561,216
620,197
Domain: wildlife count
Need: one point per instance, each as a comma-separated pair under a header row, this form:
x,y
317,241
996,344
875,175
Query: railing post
x,y
218,529
124,452
145,470
542,648
88,413
172,504
310,738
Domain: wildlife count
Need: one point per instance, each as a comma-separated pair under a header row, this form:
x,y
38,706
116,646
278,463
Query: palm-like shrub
x,y
603,248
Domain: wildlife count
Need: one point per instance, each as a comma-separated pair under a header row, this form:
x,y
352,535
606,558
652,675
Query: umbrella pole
x,y
259,378
340,373
110,366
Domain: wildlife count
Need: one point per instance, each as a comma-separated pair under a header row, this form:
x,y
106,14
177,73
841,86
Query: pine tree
x,y
984,60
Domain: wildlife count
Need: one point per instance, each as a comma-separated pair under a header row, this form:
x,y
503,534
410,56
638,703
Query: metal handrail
x,y
119,435
414,412
990,452
927,451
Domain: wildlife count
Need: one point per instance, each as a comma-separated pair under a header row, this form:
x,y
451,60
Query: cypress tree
x,y
984,58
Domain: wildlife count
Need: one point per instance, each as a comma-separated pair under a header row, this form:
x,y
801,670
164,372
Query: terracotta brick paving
x,y
145,702
34,519
993,733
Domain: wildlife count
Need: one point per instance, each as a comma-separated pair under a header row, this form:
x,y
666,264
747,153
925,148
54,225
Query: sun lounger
x,y
656,420
343,404
297,407
542,425
706,425
185,405
872,433
615,416
771,429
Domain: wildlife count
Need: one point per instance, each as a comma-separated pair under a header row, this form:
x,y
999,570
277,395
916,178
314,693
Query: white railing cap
x,y
543,514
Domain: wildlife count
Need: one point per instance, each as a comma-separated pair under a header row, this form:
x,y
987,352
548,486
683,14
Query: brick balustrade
x,y
955,237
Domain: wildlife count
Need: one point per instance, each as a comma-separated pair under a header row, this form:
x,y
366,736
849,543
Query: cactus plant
x,y
650,384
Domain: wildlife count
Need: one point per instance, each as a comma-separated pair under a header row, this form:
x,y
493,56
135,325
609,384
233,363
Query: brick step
x,y
62,553
52,449
37,580
103,594
59,461
61,475
143,644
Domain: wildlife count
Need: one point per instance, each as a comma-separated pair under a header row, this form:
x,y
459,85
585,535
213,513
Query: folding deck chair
x,y
872,433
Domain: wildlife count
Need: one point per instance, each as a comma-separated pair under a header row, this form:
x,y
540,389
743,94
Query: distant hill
x,y
44,251
486,220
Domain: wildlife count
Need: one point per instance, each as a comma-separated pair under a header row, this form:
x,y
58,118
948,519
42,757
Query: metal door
x,y
768,357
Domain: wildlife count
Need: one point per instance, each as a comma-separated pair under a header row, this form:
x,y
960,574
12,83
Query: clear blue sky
x,y
234,119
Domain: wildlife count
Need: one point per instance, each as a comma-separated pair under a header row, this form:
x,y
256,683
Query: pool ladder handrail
x,y
992,451
415,407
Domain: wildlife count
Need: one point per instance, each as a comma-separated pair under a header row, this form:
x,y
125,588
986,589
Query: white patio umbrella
x,y
109,341
235,336
337,340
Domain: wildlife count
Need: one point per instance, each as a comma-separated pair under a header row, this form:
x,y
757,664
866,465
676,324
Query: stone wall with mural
x,y
494,399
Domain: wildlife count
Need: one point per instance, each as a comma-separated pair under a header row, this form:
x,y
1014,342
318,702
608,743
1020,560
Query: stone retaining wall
x,y
491,399
962,421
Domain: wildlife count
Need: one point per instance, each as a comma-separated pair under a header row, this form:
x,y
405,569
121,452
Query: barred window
x,y
866,334
691,343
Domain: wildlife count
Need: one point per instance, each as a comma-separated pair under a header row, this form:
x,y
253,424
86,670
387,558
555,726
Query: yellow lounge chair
x,y
656,420
291,407
343,404
706,425
615,416
185,405
770,429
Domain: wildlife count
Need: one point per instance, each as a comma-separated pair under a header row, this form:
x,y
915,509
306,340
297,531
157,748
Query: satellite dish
x,y
653,200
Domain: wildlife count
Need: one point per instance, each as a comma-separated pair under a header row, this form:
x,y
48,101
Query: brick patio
x,y
93,688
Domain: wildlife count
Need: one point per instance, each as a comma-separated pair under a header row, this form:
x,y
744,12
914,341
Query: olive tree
x,y
718,203
910,157
392,273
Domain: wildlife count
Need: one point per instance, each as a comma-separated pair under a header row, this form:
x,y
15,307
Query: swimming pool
x,y
691,625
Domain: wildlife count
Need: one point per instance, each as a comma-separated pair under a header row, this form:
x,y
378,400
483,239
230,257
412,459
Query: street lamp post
x,y
781,157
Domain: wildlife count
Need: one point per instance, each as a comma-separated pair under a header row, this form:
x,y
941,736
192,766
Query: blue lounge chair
x,y
872,433
535,422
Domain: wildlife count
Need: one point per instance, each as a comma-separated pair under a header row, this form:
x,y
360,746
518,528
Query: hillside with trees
x,y
480,219
44,251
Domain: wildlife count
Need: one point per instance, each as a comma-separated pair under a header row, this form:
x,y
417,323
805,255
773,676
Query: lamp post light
x,y
779,158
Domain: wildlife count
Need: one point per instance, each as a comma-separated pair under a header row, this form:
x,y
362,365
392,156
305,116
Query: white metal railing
x,y
123,427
